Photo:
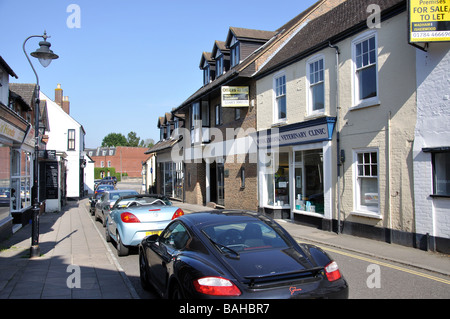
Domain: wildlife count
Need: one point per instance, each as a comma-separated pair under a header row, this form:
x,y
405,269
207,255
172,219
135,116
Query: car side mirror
x,y
152,238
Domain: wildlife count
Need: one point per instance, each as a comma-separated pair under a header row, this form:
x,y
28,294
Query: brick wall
x,y
126,160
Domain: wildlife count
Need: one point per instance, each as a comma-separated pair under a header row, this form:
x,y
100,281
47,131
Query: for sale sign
x,y
429,20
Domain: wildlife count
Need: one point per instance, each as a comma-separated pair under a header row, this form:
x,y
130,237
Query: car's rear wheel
x,y
176,292
122,250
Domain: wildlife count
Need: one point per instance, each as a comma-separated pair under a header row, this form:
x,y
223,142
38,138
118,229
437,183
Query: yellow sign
x,y
429,20
235,96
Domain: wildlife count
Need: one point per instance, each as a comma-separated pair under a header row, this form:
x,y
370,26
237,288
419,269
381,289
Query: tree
x,y
132,139
114,139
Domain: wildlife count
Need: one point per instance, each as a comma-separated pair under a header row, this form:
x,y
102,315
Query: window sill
x,y
439,196
367,214
280,123
365,104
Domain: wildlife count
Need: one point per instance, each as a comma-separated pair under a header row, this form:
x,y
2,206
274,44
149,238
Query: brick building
x,y
125,160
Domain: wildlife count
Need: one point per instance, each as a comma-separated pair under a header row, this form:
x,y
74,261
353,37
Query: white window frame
x,y
276,97
357,101
310,86
360,209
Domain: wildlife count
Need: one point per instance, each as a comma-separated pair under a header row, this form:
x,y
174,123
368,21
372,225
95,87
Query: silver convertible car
x,y
134,217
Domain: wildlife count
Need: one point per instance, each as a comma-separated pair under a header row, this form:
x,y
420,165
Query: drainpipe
x,y
339,162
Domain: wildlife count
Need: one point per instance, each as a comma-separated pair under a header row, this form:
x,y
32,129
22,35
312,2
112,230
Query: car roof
x,y
222,216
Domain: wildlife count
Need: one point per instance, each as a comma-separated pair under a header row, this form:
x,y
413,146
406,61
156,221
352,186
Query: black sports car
x,y
224,254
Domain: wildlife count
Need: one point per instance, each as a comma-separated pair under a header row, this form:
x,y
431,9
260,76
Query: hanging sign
x,y
235,96
429,21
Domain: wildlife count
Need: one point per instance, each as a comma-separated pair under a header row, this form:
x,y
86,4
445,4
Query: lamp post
x,y
45,56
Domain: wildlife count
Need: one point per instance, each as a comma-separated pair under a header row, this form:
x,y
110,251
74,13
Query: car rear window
x,y
245,236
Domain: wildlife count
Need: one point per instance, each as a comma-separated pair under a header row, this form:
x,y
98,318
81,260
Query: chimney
x,y
66,104
58,95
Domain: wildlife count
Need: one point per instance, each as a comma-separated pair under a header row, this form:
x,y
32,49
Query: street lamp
x,y
45,56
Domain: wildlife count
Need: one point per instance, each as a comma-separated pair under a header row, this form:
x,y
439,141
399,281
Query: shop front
x,y
295,170
16,159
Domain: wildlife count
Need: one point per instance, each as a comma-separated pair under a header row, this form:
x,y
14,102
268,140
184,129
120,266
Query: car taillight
x,y
332,271
216,286
179,212
129,218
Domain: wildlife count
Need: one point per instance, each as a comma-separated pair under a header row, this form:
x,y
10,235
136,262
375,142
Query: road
x,y
368,277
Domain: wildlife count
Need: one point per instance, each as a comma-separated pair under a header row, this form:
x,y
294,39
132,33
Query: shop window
x,y
21,180
277,180
366,190
5,186
308,181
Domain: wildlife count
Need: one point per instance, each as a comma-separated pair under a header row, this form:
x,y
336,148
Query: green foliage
x,y
132,140
108,171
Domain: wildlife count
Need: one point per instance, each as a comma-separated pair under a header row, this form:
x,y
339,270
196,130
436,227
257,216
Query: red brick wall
x,y
131,162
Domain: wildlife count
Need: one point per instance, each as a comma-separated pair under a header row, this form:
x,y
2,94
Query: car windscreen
x,y
116,196
140,201
245,236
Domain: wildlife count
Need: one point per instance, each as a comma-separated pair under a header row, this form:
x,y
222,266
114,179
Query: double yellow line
x,y
413,272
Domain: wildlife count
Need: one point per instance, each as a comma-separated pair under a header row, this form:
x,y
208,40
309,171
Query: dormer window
x,y
206,74
235,53
219,65
167,131
161,133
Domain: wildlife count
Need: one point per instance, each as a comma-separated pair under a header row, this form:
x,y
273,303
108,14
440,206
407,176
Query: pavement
x,y
76,262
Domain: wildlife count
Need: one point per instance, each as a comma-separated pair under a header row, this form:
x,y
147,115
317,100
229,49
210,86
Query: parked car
x,y
136,216
112,179
5,195
92,201
224,254
107,200
103,187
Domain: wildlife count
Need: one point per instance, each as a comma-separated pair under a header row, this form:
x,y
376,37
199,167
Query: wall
x,y
60,122
365,127
432,130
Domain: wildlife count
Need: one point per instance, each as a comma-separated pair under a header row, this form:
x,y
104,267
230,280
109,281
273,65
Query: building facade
x,y
127,161
344,112
431,150
66,137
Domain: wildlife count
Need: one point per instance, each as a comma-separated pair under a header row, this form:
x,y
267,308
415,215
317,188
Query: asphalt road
x,y
368,277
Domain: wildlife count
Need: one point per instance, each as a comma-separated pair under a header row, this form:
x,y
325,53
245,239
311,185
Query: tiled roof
x,y
335,25
25,90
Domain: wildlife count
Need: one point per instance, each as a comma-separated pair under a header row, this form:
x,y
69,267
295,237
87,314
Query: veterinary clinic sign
x,y
235,96
429,20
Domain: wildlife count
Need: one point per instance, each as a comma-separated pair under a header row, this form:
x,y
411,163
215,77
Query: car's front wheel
x,y
143,274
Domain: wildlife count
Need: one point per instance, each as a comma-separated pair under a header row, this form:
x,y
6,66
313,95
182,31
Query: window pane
x,y
318,97
369,192
442,173
281,107
367,83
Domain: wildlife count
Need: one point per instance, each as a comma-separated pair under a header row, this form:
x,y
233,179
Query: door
x,y
220,184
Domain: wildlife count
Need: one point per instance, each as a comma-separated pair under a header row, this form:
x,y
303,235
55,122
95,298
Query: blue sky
x,y
130,61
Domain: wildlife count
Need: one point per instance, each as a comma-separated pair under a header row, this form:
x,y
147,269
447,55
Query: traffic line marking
x,y
413,272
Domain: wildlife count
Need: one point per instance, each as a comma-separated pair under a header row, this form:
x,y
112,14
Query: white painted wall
x,y
60,122
432,130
